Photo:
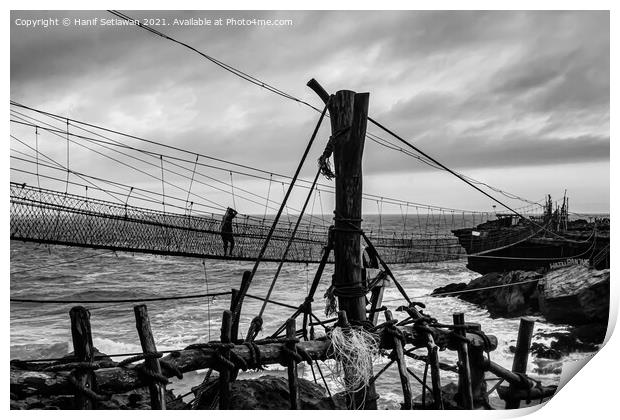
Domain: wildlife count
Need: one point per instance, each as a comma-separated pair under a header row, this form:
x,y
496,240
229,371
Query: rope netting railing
x,y
46,216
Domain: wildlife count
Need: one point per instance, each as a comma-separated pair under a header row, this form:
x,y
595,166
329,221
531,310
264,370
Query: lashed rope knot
x,y
324,164
87,392
297,353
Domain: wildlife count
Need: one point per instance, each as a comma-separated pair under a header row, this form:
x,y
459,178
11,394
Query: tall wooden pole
x,y
348,114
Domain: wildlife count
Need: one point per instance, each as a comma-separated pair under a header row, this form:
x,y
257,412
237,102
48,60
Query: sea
x,y
40,331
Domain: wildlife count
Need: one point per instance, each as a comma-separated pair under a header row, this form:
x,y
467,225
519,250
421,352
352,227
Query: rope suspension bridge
x,y
188,223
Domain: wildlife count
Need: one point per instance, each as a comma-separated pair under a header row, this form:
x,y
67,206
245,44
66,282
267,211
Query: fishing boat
x,y
513,242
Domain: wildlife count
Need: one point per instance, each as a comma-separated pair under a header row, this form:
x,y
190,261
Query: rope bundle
x,y
355,351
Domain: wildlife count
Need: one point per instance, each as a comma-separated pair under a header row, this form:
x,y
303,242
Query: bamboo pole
x,y
293,381
143,325
465,388
402,368
83,352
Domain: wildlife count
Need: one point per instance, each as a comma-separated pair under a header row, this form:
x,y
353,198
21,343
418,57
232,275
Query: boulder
x,y
575,295
267,392
509,301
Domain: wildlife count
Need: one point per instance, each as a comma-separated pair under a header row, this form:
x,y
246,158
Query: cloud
x,y
474,89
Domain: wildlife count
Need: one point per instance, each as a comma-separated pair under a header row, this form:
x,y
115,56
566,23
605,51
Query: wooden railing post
x,y
465,388
402,368
147,341
291,365
83,352
225,373
519,363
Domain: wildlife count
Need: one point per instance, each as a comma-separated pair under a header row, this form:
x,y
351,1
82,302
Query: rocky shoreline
x,y
575,295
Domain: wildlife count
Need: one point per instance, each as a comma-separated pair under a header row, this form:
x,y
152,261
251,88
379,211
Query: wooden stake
x,y
143,325
293,381
465,389
83,352
237,303
519,363
402,368
225,374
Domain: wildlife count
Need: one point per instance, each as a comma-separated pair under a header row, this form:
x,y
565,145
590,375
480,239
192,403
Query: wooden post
x,y
293,382
348,115
225,374
465,389
83,352
237,303
143,325
519,363
402,368
477,366
433,360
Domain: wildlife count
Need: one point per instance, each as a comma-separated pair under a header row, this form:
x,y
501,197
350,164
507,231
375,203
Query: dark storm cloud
x,y
476,89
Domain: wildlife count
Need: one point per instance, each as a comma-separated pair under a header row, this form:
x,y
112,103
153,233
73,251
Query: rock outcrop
x,y
505,301
575,294
267,393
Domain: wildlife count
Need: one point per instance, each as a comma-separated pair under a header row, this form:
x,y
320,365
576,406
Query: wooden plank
x,y
465,388
291,365
147,341
83,351
402,368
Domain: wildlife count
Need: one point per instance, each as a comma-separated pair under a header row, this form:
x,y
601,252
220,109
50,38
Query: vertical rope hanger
x,y
191,182
232,189
163,190
322,211
268,193
36,144
67,183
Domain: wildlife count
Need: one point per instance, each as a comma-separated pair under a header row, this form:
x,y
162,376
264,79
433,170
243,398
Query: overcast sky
x,y
519,100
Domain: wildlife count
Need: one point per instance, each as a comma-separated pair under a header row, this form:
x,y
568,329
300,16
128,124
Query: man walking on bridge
x,y
227,230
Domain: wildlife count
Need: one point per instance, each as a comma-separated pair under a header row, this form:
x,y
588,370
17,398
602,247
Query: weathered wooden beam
x,y
402,368
291,365
519,363
465,389
117,380
225,372
147,341
83,351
